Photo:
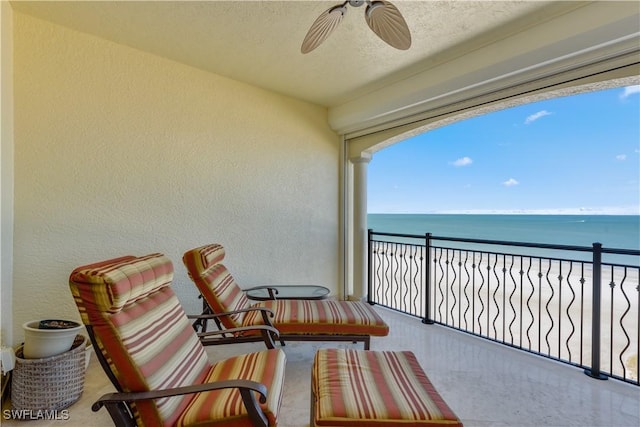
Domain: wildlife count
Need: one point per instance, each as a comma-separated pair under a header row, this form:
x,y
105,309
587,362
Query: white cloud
x,y
510,182
621,157
532,118
463,161
629,90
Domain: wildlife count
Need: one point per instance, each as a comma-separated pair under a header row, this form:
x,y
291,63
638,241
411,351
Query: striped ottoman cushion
x,y
374,388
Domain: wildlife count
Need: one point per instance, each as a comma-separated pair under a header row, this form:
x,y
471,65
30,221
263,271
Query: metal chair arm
x,y
269,333
113,401
227,313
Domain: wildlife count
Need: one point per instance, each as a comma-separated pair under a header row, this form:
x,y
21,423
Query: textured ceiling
x,y
258,42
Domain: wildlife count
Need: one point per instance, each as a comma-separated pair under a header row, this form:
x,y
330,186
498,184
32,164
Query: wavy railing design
x,y
560,302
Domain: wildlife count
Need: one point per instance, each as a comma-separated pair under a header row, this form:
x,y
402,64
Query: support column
x,y
359,229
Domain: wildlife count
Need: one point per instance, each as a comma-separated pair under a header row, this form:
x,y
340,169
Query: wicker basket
x,y
49,383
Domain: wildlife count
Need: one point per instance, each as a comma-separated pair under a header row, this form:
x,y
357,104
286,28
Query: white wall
x,y
118,151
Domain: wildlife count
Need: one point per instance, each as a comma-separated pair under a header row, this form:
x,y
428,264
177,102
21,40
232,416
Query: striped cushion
x,y
95,297
139,323
266,367
374,388
215,283
324,317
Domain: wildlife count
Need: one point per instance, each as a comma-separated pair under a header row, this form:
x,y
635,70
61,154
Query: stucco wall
x,y
118,151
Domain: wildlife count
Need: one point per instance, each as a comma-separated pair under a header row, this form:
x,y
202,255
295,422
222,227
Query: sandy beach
x,y
538,304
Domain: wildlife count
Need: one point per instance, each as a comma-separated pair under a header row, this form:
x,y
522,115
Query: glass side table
x,y
263,293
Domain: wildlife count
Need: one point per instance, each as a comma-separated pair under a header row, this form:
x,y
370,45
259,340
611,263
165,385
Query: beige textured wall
x,y
118,151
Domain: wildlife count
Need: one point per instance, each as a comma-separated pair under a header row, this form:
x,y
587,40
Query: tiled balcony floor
x,y
484,383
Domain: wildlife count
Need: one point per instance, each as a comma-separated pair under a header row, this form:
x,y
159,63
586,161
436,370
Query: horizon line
x,y
570,211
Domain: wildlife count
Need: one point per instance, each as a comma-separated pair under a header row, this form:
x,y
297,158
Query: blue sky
x,y
577,154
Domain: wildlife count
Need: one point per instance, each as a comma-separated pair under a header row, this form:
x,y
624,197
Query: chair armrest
x,y
113,401
267,328
269,333
264,311
227,313
261,389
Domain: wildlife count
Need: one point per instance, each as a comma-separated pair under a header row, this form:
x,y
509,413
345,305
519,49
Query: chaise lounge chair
x,y
156,361
296,320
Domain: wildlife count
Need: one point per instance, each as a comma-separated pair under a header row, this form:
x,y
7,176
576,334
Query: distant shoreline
x,y
612,231
555,213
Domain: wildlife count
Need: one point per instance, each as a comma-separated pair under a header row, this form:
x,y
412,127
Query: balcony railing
x,y
574,304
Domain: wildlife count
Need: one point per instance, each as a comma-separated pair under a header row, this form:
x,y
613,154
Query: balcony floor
x,y
484,383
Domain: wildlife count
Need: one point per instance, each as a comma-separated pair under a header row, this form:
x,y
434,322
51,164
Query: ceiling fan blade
x,y
322,27
387,22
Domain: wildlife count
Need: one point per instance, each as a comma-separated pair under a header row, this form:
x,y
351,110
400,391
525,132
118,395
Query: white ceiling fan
x,y
383,18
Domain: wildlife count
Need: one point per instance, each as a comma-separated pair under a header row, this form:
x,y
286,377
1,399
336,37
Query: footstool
x,y
374,388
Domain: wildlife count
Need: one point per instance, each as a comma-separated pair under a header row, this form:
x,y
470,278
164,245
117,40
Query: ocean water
x,y
613,231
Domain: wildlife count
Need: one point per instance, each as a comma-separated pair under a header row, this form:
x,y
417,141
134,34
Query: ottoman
x,y
374,388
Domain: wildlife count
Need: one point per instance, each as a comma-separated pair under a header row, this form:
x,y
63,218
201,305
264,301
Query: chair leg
x,y
253,408
312,405
120,414
201,324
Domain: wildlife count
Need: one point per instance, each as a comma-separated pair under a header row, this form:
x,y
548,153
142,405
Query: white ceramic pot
x,y
40,343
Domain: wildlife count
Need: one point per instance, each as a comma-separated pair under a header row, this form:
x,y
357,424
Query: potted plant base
x,y
46,338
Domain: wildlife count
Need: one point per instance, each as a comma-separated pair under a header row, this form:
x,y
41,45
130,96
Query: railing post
x,y
595,314
369,280
427,281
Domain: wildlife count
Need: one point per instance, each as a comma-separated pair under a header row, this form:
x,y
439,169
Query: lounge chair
x,y
156,361
296,320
